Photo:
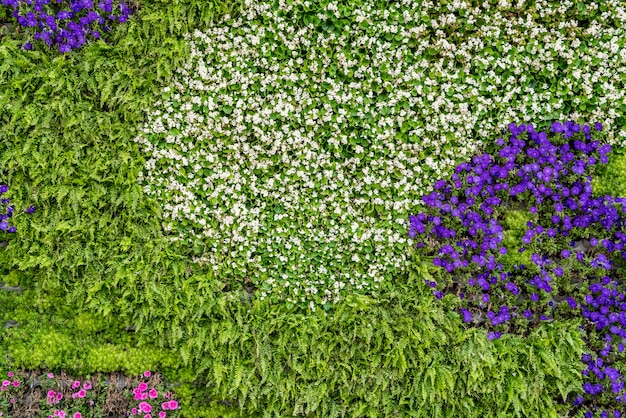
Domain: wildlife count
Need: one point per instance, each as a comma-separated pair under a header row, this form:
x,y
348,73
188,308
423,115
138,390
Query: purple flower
x,y
598,126
467,315
493,335
4,225
557,127
31,209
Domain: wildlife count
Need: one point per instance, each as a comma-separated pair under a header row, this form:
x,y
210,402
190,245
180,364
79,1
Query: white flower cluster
x,y
295,146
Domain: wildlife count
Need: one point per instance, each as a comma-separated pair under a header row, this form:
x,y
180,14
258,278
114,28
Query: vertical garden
x,y
312,208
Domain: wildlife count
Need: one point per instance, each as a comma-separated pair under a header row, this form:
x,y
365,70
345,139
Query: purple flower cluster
x,y
465,239
66,28
4,224
4,217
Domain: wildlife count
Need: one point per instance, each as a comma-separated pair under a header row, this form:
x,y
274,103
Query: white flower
x,y
286,154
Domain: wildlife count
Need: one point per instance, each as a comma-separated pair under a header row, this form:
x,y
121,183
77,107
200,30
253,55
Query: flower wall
x,y
316,128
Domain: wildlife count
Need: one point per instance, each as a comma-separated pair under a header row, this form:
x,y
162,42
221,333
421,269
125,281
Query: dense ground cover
x,y
191,174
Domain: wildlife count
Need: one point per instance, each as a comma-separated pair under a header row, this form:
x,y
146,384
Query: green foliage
x,y
403,355
81,344
66,133
408,354
514,227
610,177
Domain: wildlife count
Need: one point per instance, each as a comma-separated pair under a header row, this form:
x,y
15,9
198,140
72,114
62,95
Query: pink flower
x,y
147,416
147,373
61,414
51,394
78,415
10,374
6,383
50,376
142,386
82,393
74,395
134,411
165,405
76,384
162,414
167,395
153,393
87,385
16,383
173,405
59,396
12,400
145,407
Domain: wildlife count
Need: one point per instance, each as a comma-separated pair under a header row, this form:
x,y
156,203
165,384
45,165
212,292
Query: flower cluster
x,y
289,154
85,397
143,392
5,390
66,28
553,181
81,392
4,217
4,224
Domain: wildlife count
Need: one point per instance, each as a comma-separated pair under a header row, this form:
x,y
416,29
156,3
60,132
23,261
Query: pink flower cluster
x,y
7,383
171,405
54,397
62,414
82,392
141,393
